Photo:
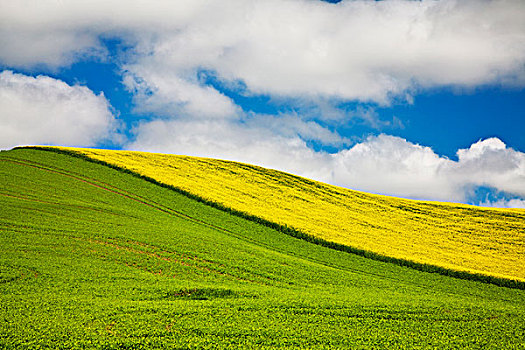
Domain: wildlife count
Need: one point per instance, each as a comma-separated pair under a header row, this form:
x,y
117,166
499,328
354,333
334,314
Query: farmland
x,y
92,257
456,237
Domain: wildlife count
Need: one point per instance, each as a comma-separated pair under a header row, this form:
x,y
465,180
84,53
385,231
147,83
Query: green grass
x,y
93,257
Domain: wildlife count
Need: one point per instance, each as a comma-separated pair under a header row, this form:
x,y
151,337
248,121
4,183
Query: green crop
x,y
91,257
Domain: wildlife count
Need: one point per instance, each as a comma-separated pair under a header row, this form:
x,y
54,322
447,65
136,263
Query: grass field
x,y
455,237
92,257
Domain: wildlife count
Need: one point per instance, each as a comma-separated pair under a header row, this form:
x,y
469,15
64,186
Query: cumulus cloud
x,y
504,203
490,163
353,50
167,94
44,110
392,165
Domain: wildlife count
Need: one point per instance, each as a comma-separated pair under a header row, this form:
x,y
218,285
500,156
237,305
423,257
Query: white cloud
x,y
366,51
44,110
167,94
354,50
293,125
391,165
490,163
504,203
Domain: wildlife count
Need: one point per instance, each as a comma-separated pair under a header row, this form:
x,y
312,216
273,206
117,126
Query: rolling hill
x,y
455,237
96,257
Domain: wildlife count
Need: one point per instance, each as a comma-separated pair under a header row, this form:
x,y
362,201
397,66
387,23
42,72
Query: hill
x,y
93,257
454,237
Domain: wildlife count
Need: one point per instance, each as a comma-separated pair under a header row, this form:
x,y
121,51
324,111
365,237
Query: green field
x,y
94,257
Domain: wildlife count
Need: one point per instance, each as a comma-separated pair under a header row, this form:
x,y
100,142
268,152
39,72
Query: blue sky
x,y
421,100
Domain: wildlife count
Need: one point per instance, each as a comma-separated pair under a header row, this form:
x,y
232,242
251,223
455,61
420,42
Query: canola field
x,y
458,237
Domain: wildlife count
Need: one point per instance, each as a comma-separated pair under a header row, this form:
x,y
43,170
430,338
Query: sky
x,y
415,99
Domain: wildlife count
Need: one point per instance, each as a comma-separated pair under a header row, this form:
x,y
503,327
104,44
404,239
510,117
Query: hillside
x,y
455,237
92,257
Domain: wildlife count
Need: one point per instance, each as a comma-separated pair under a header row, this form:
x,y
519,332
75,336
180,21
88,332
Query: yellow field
x,y
454,236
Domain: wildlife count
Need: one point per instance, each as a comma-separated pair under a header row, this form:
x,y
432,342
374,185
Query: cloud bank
x,y
504,203
391,165
44,110
353,50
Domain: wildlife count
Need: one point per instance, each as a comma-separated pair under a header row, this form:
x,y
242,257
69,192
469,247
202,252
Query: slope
x,y
93,257
456,237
